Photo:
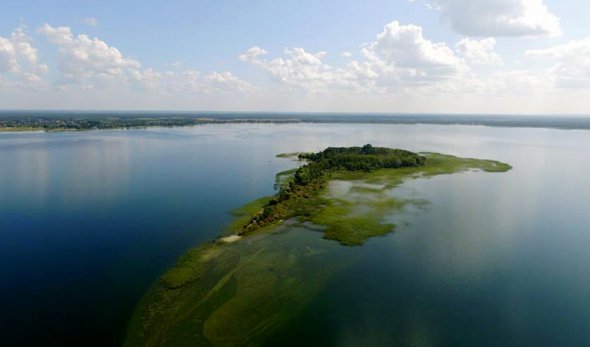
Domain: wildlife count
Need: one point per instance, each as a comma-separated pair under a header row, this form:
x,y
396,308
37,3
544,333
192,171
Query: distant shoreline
x,y
19,121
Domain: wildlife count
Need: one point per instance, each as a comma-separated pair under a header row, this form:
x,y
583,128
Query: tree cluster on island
x,y
293,200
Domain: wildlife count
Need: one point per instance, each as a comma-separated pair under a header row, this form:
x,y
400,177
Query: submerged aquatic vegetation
x,y
234,294
249,289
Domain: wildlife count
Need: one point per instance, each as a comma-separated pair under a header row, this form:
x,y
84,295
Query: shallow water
x,y
88,220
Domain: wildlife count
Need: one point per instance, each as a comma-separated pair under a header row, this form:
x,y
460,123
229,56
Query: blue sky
x,y
464,56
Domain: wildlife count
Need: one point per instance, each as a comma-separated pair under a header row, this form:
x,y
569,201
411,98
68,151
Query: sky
x,y
396,56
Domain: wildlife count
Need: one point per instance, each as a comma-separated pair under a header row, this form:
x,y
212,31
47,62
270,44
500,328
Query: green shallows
x,y
238,294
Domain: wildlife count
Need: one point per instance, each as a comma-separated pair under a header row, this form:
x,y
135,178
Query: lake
x,y
89,220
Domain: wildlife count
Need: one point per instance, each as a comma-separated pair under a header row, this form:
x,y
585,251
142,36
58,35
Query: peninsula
x,y
280,251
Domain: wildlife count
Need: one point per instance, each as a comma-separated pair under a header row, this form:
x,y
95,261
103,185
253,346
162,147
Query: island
x,y
281,250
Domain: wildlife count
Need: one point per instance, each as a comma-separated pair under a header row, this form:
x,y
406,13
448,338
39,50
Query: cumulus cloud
x,y
500,17
403,53
218,82
399,56
253,54
297,68
401,63
297,65
479,52
192,81
306,71
91,63
571,63
19,59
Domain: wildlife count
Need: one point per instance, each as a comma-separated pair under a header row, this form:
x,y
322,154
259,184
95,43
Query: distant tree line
x,y
53,123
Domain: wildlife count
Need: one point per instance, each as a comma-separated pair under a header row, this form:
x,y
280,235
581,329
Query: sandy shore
x,y
230,239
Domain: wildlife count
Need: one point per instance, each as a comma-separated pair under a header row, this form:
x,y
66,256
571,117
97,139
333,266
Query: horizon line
x,y
344,113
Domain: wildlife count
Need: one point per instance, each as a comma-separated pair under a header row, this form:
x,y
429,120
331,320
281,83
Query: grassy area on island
x,y
239,293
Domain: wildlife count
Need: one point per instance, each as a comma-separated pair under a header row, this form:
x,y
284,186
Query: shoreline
x,y
24,123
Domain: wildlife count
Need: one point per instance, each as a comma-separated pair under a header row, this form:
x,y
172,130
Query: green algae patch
x,y
355,217
352,230
191,266
240,293
248,291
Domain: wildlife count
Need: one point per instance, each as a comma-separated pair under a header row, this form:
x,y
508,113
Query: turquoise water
x,y
88,220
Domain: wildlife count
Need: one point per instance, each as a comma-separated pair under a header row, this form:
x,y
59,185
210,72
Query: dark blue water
x,y
88,220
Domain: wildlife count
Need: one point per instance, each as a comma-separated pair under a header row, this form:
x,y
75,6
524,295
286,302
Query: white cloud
x,y
500,17
19,59
402,53
253,54
218,82
479,52
89,62
401,69
571,63
400,56
192,81
401,63
91,21
299,68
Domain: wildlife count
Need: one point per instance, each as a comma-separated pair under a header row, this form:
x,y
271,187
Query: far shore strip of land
x,y
20,121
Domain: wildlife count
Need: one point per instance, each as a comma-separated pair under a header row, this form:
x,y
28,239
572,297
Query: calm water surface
x,y
88,220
